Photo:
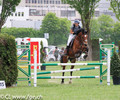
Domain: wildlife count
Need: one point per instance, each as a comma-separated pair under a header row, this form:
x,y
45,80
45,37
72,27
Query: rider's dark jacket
x,y
75,29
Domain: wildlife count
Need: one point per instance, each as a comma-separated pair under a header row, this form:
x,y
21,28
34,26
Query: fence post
x,y
108,67
35,68
101,74
29,66
112,49
100,53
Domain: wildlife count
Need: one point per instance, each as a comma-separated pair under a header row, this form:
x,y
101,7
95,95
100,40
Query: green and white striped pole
x,y
60,77
29,66
68,70
65,64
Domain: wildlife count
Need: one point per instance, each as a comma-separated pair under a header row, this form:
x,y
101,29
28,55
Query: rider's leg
x,y
67,50
69,39
71,36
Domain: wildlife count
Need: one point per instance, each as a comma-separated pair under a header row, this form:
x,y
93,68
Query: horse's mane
x,y
81,30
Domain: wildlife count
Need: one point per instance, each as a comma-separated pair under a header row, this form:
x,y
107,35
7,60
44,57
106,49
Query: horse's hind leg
x,y
72,61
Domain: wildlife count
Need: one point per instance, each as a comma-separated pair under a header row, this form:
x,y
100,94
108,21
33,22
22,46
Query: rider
x,y
72,34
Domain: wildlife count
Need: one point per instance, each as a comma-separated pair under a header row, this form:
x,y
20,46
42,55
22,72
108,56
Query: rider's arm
x,y
71,31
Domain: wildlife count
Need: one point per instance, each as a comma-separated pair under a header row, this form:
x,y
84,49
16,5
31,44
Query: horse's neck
x,y
77,42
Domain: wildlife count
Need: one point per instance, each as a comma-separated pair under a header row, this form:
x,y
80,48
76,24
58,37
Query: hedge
x,y
22,32
8,59
119,47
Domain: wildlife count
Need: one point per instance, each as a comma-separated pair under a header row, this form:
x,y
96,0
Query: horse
x,y
79,46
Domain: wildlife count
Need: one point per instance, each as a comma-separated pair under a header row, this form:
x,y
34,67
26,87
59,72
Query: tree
x,y
106,27
50,24
95,29
115,4
116,34
57,28
0,2
8,6
86,9
64,29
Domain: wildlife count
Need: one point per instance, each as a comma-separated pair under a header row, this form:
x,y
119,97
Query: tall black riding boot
x,y
67,50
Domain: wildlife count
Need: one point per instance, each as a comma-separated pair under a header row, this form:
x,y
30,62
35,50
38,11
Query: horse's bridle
x,y
81,41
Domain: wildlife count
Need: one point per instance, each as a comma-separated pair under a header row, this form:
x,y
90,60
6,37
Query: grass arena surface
x,y
80,89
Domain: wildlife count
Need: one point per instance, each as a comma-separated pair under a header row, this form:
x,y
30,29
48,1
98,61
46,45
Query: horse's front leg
x,y
85,56
62,82
64,59
72,61
86,53
71,75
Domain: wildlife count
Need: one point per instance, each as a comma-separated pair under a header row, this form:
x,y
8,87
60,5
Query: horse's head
x,y
83,39
82,35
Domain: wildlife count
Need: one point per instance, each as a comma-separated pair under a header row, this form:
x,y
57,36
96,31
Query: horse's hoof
x,y
85,56
70,82
62,82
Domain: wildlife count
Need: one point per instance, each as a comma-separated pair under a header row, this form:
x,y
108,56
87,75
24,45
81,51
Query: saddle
x,y
71,43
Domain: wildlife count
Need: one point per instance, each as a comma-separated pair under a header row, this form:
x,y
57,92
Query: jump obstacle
x,y
29,49
62,64
37,64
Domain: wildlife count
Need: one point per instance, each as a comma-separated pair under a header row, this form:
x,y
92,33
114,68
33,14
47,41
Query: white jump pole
x,y
35,68
108,67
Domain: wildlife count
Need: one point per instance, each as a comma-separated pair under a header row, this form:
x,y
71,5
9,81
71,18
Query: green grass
x,y
80,89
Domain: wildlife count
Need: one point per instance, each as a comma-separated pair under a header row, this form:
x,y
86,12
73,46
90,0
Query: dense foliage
x,y
58,28
119,47
115,5
8,59
104,27
0,2
8,7
22,32
116,33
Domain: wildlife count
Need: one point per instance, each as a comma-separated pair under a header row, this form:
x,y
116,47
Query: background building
x,y
103,8
39,8
30,13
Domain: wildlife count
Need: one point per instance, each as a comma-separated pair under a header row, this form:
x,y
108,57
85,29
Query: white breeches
x,y
71,36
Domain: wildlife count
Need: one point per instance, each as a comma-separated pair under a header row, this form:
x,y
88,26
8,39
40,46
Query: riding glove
x,y
74,33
